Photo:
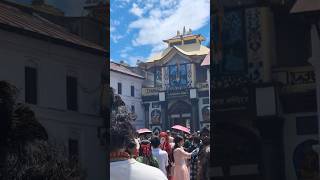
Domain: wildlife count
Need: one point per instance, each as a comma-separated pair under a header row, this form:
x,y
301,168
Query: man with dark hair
x,y
204,155
159,154
194,159
122,167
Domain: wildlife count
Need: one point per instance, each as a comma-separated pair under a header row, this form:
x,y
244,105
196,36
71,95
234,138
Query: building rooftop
x,y
186,35
20,20
186,43
123,69
188,49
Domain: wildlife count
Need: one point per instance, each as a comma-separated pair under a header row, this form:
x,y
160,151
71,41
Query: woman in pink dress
x,y
181,171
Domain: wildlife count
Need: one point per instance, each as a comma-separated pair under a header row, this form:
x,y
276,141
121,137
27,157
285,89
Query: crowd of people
x,y
160,156
179,156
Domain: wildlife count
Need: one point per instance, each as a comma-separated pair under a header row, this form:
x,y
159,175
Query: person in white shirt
x,y
122,167
159,154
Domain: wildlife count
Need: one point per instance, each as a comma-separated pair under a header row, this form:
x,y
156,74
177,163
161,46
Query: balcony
x,y
295,79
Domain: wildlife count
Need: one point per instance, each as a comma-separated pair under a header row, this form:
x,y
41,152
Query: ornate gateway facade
x,y
179,91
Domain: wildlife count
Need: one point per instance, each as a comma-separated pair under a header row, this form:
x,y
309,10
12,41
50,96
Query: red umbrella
x,y
144,130
181,128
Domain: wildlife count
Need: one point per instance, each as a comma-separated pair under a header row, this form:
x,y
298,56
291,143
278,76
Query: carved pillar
x,y
195,115
164,115
146,111
315,61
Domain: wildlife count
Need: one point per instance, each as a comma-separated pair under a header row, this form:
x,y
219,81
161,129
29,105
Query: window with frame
x,y
191,41
158,76
72,93
201,74
119,88
132,90
307,125
176,44
178,75
31,85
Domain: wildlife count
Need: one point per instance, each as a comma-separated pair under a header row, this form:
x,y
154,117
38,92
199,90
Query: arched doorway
x,y
180,114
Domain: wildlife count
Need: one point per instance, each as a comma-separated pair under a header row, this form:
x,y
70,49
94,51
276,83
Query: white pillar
x,y
315,61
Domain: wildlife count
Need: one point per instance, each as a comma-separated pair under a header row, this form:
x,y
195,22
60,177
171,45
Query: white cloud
x,y
115,22
170,16
115,37
157,49
112,28
168,3
124,52
121,3
113,25
132,60
136,10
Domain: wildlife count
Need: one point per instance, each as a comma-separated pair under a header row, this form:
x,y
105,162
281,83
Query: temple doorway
x,y
180,114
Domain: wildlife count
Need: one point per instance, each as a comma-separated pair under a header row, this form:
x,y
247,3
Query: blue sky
x,y
139,26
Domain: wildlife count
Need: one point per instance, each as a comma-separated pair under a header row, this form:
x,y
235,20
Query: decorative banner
x,y
234,103
230,52
174,93
155,116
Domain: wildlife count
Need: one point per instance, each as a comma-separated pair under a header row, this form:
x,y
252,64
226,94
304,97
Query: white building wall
x,y
127,81
53,64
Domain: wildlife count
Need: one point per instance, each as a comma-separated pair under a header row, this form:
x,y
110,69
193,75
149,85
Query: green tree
x,y
28,154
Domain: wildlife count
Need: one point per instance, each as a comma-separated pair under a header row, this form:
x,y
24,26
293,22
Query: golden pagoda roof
x,y
185,37
195,49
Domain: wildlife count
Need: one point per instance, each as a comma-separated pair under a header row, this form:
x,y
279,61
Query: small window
x,y
119,88
73,150
132,109
176,44
201,74
307,125
31,85
132,91
192,41
205,101
72,93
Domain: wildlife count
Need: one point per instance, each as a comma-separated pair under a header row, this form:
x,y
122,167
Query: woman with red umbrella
x,y
181,171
